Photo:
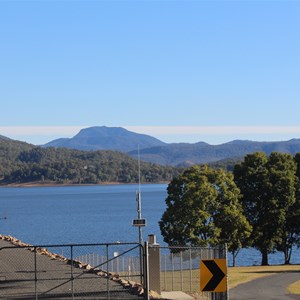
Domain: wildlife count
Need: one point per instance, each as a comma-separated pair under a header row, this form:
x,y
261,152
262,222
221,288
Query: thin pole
x,y
139,210
146,272
181,275
226,257
191,266
72,276
35,274
139,198
107,277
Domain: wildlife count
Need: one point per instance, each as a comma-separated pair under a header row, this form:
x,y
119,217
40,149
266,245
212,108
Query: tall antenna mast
x,y
139,222
139,163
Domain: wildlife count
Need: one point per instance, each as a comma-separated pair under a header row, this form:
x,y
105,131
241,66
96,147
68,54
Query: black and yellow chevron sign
x,y
213,274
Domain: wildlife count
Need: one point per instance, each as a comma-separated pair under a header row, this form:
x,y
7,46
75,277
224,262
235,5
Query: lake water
x,y
91,214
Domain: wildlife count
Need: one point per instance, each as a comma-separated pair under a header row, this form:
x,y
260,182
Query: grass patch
x,y
190,280
294,288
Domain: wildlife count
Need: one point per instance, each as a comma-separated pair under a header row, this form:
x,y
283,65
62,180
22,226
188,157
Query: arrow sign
x,y
213,275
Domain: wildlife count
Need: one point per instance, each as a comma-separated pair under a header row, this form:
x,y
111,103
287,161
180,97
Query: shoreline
x,y
54,184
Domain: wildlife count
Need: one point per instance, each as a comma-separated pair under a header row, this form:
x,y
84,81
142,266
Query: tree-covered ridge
x,y
21,163
9,151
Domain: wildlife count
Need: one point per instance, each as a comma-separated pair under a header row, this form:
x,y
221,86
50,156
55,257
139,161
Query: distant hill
x,y
9,152
11,148
4,138
199,153
106,138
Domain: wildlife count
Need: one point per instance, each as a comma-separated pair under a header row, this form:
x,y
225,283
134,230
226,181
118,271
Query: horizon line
x,y
185,129
214,135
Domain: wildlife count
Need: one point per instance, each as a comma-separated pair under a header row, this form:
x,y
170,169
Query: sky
x,y
181,71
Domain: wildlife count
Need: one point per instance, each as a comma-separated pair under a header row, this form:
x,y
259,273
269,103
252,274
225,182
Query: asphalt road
x,y
273,287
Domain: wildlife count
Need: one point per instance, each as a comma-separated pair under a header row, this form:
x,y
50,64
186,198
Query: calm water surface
x,y
79,214
90,214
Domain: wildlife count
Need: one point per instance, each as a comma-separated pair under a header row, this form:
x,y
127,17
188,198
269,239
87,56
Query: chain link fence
x,y
180,270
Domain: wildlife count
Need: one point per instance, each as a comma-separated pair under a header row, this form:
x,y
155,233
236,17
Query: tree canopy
x,y
203,209
268,187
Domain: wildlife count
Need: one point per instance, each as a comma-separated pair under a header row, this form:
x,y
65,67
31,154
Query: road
x,y
272,287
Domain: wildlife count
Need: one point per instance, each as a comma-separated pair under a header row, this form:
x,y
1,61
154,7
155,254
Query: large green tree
x,y
282,173
203,209
291,229
228,213
268,188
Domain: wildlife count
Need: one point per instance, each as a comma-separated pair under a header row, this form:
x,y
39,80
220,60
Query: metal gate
x,y
79,271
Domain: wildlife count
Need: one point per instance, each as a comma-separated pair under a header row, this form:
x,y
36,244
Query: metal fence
x,y
180,269
89,271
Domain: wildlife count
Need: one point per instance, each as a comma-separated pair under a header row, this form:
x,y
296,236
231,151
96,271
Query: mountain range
x,y
176,154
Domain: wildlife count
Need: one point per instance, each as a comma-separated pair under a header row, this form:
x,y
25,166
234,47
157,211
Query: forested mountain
x,y
106,138
9,151
158,152
21,162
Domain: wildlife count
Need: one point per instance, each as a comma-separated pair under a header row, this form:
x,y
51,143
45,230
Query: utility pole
x,y
139,222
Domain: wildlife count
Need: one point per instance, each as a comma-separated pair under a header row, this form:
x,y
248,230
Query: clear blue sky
x,y
183,71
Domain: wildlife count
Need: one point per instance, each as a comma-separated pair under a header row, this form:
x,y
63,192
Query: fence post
x,y
191,267
35,275
222,253
146,271
226,256
72,275
165,273
181,275
172,263
154,264
107,274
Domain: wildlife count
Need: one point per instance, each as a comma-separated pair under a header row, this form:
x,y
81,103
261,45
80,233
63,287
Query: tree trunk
x,y
234,255
233,258
287,255
264,261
